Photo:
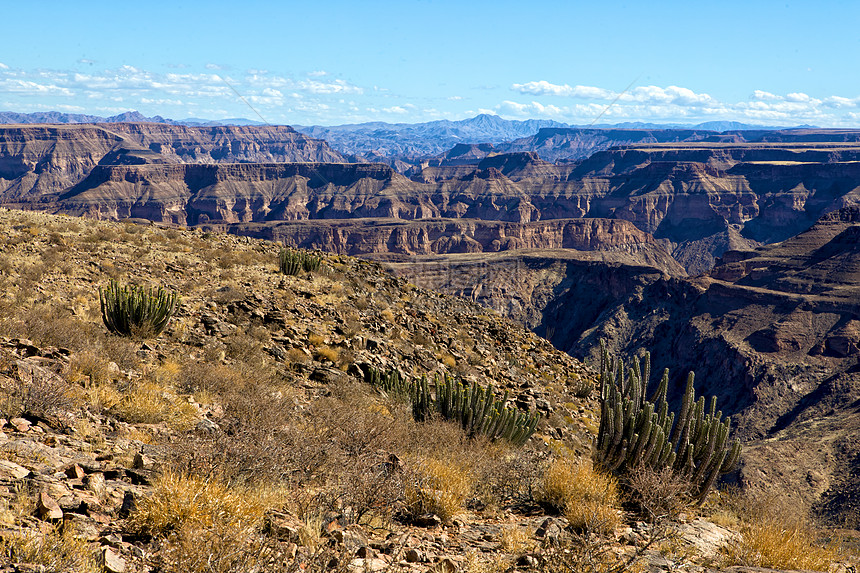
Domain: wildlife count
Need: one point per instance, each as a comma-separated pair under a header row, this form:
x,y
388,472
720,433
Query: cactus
x,y
135,311
474,407
634,431
292,262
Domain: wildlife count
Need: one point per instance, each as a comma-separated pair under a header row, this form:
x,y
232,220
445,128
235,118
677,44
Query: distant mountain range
x,y
411,141
394,143
127,117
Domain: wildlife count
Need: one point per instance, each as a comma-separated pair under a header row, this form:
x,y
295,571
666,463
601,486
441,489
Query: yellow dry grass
x,y
52,551
439,487
588,498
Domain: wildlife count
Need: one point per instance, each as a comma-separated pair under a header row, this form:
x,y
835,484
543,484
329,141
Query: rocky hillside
x,y
44,160
243,437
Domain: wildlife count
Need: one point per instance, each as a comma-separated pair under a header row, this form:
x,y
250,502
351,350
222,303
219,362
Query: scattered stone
x,y
113,563
527,561
20,424
48,508
370,565
143,462
414,555
128,505
427,520
11,471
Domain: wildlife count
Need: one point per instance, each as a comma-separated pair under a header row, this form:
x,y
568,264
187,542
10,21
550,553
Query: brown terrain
x,y
601,248
242,438
699,198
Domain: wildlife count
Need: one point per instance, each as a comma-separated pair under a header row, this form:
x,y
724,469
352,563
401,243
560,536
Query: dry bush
x,y
207,525
658,495
438,486
149,402
54,551
39,393
328,353
179,501
774,533
517,540
87,368
588,498
244,347
316,339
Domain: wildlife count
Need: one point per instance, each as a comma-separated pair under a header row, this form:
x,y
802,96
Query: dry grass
x,y
149,402
439,487
54,551
205,524
517,540
328,353
588,498
774,533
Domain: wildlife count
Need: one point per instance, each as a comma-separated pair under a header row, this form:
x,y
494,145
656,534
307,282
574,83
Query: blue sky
x,y
760,62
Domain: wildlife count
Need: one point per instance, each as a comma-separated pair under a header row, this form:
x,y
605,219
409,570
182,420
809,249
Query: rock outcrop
x,y
44,160
400,241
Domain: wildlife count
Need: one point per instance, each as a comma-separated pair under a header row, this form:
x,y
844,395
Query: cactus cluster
x,y
474,407
135,311
292,262
638,431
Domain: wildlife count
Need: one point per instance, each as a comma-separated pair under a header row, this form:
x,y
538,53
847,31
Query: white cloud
x,y
396,109
214,67
332,87
3,66
317,73
544,87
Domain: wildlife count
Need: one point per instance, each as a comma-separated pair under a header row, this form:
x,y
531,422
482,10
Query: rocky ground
x,y
243,438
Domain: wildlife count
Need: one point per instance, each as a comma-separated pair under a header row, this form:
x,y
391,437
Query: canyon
x,y
733,254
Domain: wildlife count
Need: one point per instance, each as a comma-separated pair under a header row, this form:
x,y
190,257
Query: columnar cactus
x,y
634,431
135,311
474,407
292,262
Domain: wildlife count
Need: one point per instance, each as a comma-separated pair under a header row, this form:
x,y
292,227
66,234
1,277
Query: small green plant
x,y
474,407
292,262
135,311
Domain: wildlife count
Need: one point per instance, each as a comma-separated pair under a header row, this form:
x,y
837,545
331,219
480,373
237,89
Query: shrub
x,y
587,498
135,311
439,487
52,551
774,533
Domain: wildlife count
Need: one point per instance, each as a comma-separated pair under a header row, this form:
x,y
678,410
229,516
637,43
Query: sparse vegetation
x,y
588,498
135,311
245,441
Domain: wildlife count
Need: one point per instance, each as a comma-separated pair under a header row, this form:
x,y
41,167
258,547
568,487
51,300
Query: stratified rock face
x,y
38,161
701,198
401,241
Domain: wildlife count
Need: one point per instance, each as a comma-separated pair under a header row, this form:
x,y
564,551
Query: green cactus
x,y
290,262
135,311
293,262
634,431
474,407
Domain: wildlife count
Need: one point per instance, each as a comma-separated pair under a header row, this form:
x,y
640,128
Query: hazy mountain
x,y
125,117
413,140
